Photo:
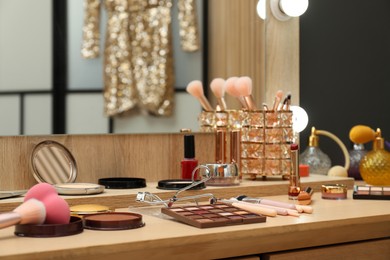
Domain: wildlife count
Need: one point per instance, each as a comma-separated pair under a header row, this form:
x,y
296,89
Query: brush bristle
x,y
195,88
40,191
230,87
57,210
279,94
244,86
217,87
31,211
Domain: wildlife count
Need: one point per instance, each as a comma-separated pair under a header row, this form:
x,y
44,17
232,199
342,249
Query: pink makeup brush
x,y
278,98
217,86
195,88
50,210
230,88
244,87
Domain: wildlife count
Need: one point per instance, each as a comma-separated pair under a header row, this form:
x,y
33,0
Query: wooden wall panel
x,y
150,156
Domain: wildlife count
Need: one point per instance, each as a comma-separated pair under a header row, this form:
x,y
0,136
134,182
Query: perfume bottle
x,y
375,165
318,161
355,156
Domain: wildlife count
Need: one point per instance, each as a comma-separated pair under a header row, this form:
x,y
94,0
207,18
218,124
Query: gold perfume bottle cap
x,y
313,139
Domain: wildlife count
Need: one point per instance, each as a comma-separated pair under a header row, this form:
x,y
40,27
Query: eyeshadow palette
x,y
371,192
212,215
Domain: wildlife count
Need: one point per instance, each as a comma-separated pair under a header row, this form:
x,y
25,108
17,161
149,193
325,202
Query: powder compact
x,y
85,209
177,184
123,183
334,191
10,194
212,215
53,163
371,192
75,226
113,221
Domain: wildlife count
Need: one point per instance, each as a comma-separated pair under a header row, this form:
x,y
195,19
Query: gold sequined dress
x,y
138,58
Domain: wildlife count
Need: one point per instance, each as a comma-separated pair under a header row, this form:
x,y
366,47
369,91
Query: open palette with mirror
x,y
53,163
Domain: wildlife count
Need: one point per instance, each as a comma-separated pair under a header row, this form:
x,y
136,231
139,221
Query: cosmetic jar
x,y
222,174
177,184
334,191
75,226
113,221
123,183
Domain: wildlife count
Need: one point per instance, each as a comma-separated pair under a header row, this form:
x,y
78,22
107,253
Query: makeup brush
x,y
30,212
251,208
230,88
244,87
278,98
195,88
217,86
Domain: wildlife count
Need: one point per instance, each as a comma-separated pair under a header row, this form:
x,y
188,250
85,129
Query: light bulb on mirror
x,y
283,10
294,8
300,118
261,9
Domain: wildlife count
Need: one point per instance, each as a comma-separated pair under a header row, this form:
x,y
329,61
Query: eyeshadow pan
x,y
213,215
371,192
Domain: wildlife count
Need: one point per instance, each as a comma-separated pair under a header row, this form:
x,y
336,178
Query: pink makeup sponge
x,y
57,210
40,191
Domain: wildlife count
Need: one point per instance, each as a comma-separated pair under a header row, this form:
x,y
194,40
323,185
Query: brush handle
x,y
306,209
250,103
9,219
255,209
205,103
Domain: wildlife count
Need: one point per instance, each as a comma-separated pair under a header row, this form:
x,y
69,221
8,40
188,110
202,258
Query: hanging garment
x,y
138,58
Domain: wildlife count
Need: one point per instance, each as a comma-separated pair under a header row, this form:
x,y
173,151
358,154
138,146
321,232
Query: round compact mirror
x,y
54,164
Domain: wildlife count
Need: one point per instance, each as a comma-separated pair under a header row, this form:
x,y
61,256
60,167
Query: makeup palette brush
x,y
195,88
230,88
217,86
244,87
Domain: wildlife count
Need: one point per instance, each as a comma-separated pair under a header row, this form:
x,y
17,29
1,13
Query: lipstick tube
x,y
295,185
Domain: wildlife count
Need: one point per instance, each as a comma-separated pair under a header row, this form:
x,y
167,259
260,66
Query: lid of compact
x,y
177,184
53,163
84,209
123,183
75,226
113,221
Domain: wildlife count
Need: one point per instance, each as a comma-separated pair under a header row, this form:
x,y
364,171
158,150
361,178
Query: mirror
x,y
53,163
29,106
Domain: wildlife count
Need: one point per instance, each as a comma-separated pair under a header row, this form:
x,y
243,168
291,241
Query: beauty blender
x,y
195,88
244,87
217,86
57,210
361,134
40,191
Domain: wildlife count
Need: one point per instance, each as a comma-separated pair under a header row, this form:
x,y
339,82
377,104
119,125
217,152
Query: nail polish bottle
x,y
189,163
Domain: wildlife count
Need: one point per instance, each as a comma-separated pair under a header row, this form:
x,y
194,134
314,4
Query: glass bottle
x,y
318,161
355,156
375,166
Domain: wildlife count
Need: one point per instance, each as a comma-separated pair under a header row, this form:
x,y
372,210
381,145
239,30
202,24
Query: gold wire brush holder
x,y
266,136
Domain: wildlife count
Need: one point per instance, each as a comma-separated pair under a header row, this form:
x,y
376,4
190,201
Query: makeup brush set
x,y
265,134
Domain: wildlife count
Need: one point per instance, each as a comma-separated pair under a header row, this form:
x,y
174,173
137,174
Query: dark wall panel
x,y
345,68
